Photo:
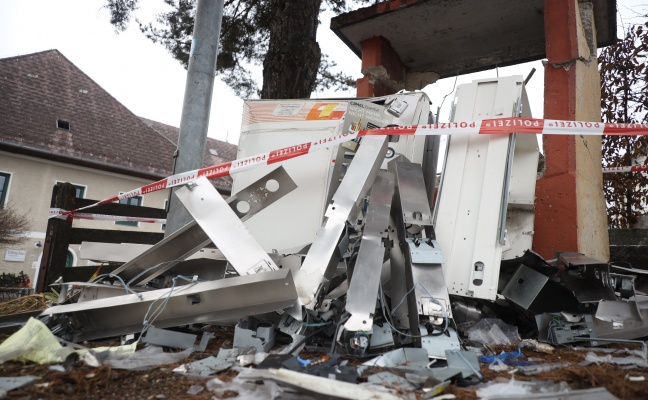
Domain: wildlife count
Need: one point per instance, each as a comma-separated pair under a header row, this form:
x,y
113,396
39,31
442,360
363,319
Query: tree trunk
x,y
293,58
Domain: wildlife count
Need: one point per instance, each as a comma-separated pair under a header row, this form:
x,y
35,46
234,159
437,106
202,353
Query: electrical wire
x,y
126,287
432,298
148,321
382,307
150,268
317,331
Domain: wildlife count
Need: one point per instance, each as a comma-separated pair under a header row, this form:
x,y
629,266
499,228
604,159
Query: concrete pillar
x,y
570,205
384,72
378,58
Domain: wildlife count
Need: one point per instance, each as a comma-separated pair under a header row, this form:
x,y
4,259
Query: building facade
x,y
58,125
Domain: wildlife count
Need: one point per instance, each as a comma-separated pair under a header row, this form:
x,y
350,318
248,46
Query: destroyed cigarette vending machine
x,y
337,230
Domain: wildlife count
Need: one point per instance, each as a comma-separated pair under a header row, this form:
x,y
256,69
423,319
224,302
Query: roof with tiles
x,y
216,151
51,109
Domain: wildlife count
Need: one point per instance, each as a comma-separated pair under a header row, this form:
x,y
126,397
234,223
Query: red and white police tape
x,y
484,127
633,168
63,214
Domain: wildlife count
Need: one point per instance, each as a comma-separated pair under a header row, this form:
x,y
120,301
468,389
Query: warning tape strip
x,y
634,168
64,214
484,127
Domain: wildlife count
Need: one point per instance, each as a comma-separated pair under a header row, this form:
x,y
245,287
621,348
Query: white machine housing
x,y
485,205
273,124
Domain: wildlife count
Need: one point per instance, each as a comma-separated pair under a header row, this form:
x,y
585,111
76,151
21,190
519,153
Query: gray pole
x,y
197,101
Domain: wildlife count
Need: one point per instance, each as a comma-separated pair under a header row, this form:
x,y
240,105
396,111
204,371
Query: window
x,y
79,190
64,125
131,201
4,187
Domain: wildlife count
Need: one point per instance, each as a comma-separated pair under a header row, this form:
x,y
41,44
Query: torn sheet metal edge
x,y
618,311
391,380
176,340
202,302
318,385
8,384
320,262
582,394
224,228
363,291
593,286
415,360
436,346
190,238
590,327
115,252
259,336
125,252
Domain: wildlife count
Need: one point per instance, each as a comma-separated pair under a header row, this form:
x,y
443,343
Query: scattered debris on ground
x,y
366,294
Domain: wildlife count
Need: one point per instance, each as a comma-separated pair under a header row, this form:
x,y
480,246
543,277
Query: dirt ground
x,y
83,382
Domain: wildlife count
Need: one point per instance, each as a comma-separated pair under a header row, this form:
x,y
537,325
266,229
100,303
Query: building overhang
x,y
451,37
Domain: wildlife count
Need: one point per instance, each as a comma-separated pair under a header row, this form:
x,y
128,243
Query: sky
x,y
145,78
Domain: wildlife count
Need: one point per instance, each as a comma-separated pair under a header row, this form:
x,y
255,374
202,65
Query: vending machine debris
x,y
355,247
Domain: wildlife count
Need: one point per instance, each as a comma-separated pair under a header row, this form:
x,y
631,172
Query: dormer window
x,y
62,124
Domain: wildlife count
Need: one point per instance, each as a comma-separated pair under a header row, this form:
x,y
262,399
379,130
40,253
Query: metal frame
x,y
201,302
224,228
191,238
322,258
363,290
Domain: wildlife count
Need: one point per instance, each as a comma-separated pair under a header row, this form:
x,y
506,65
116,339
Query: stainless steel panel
x,y
524,286
414,202
432,297
201,302
322,258
191,238
363,290
224,228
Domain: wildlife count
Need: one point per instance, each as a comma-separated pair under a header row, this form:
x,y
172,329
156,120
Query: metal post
x,y
197,101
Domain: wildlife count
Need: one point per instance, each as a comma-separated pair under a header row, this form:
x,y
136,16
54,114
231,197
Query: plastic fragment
x,y
537,346
635,378
536,369
502,386
147,358
498,365
239,389
630,362
195,389
511,358
493,331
